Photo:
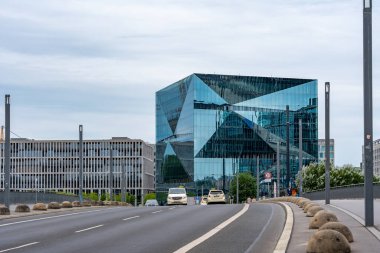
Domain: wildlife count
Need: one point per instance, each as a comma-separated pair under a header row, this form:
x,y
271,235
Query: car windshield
x,y
177,191
216,192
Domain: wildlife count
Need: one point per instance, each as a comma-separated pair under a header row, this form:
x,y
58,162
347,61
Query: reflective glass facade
x,y
208,127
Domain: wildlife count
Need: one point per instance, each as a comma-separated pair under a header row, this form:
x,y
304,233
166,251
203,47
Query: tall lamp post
x,y
81,164
327,143
7,151
368,122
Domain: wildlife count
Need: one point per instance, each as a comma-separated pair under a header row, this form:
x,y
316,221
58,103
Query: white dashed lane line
x,y
89,228
159,211
18,247
130,218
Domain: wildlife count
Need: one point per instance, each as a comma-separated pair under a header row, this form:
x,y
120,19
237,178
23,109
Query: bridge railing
x,y
343,192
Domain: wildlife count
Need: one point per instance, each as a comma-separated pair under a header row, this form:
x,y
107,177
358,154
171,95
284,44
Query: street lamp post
x,y
81,164
368,121
300,154
327,143
36,186
7,151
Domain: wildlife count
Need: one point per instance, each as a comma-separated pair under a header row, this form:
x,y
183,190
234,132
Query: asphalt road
x,y
146,229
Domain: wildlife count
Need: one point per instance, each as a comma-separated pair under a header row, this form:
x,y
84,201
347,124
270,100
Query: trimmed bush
x,y
328,241
54,205
4,210
343,229
22,208
40,207
66,204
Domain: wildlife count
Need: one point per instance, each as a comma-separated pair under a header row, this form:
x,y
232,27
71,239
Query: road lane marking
x,y
19,247
250,248
283,242
89,228
171,208
159,211
51,217
212,232
130,218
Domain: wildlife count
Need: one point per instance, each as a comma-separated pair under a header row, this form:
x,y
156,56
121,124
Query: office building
x,y
53,165
209,127
322,151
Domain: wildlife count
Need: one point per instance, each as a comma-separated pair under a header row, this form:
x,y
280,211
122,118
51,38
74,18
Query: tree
x,y
247,186
314,176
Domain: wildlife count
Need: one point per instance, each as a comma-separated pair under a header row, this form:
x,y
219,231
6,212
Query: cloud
x,y
99,63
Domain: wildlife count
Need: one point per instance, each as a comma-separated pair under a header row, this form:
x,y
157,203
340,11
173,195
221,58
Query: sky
x,y
99,63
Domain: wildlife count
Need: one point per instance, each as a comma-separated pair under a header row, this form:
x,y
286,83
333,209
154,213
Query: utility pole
x,y
287,147
257,178
237,183
81,164
368,121
7,150
111,173
300,158
278,169
123,184
327,143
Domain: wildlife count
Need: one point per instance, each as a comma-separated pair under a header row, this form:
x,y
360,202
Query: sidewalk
x,y
364,241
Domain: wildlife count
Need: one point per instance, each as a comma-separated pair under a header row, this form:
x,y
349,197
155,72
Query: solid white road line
x,y
283,242
212,232
89,228
159,211
130,218
19,247
51,217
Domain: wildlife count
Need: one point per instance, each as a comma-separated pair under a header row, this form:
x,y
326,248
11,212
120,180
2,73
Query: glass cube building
x,y
209,127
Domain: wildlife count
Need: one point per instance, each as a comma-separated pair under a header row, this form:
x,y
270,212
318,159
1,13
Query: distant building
x,y
322,151
53,165
209,127
376,157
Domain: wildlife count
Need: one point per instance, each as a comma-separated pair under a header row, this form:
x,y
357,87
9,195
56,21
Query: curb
x,y
373,230
283,242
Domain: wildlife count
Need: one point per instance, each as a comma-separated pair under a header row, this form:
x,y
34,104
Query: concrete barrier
x,y
343,229
328,241
22,208
321,218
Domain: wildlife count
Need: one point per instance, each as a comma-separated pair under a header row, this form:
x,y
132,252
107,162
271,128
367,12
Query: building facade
x,y
322,151
376,158
53,165
209,127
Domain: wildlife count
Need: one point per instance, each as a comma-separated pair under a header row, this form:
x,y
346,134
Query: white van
x,y
177,196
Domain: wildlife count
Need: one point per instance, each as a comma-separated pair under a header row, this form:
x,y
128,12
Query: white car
x,y
177,196
216,196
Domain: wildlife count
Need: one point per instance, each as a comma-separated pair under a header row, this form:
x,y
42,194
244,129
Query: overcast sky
x,y
99,63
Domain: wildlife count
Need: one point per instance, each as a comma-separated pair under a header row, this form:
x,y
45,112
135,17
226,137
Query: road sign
x,y
267,177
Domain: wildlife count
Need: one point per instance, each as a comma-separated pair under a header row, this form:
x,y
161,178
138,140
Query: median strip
x,y
19,247
89,228
212,232
130,218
